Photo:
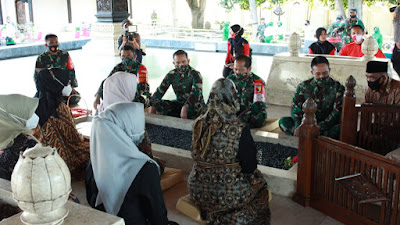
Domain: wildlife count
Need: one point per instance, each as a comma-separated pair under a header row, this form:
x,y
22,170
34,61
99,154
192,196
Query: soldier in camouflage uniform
x,y
250,92
187,84
335,26
130,65
327,94
346,25
260,30
53,57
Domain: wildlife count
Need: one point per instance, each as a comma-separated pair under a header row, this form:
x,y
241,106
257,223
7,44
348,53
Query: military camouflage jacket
x,y
143,87
62,60
328,99
333,26
245,94
188,88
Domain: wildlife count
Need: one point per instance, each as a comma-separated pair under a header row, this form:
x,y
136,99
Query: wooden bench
x,y
324,163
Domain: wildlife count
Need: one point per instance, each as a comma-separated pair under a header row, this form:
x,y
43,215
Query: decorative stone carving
x,y
104,5
41,183
294,44
369,47
112,10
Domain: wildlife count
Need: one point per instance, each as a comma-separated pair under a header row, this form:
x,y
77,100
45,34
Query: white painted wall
x,y
83,11
50,16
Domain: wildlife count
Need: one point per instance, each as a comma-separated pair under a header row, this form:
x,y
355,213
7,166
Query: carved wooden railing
x,y
374,199
379,125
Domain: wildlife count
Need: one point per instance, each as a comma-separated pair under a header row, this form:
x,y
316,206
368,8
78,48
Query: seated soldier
x,y
381,88
354,48
130,65
250,92
327,94
187,84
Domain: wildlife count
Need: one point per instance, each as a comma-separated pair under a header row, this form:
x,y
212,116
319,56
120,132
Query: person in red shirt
x,y
237,45
354,48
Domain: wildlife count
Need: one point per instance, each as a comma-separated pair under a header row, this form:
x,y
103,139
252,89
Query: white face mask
x,y
66,91
359,37
30,123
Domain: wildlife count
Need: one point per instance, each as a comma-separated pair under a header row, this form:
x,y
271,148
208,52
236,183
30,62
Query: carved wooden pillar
x,y
348,125
105,32
308,131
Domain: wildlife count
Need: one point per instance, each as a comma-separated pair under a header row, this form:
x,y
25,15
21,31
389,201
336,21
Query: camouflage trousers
x,y
173,108
287,125
255,118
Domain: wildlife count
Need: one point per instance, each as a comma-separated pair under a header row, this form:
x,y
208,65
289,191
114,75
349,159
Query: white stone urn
x,y
294,44
369,47
41,183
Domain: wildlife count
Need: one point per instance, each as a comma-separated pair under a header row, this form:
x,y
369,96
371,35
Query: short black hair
x,y
128,48
50,36
358,26
244,58
179,52
319,32
319,60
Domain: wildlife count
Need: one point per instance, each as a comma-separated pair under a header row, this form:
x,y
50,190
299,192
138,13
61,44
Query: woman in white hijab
x,y
126,181
121,87
17,119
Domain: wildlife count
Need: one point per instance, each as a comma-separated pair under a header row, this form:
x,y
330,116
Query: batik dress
x,y
222,185
61,134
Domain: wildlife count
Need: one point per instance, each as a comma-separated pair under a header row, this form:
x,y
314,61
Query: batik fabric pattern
x,y
224,194
61,134
10,155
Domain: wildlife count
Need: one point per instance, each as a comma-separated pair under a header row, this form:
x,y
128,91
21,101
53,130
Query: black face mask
x,y
53,48
375,85
353,16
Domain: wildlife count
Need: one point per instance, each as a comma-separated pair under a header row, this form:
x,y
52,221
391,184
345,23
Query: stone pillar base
x,y
104,39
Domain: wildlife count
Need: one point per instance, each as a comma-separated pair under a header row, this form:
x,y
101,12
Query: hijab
x,y
321,47
49,84
114,155
236,43
120,87
378,36
222,107
15,110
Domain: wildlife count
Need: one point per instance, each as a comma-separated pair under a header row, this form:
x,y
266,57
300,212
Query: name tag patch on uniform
x,y
142,75
259,91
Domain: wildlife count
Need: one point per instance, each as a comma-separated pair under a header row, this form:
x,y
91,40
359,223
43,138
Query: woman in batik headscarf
x,y
124,181
121,87
17,119
56,125
225,183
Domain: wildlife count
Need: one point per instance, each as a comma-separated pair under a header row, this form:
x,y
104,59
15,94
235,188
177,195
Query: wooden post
x,y
308,131
348,125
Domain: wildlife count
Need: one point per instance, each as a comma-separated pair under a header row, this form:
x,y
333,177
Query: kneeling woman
x,y
225,183
322,46
126,181
56,124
